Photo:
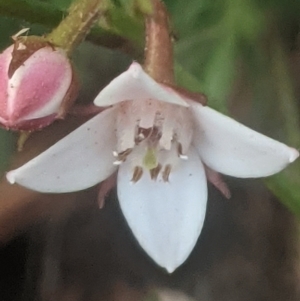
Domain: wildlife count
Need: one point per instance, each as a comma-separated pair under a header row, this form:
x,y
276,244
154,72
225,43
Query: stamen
x,y
166,173
155,171
180,154
123,155
179,149
156,133
143,134
137,174
141,137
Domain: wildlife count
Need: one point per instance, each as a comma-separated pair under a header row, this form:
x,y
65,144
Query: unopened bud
x,y
37,84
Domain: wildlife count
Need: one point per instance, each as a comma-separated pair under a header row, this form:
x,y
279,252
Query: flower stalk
x,y
159,46
159,57
73,29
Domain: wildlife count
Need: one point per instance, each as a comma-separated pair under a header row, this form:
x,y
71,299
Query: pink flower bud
x,y
36,85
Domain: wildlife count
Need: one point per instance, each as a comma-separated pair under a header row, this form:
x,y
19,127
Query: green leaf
x,y
286,186
219,74
123,25
62,4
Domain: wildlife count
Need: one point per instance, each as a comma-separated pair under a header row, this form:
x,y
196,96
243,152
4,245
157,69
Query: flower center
x,y
153,135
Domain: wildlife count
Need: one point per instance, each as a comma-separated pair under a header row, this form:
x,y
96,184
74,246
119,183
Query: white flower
x,y
158,140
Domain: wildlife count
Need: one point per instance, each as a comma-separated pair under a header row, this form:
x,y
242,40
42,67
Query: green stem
x,y
76,25
37,12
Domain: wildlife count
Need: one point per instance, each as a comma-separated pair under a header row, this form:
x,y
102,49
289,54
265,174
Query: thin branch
x,y
37,12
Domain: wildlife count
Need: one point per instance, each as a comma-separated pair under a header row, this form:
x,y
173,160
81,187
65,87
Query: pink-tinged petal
x,y
78,161
233,149
136,84
5,58
165,217
105,187
216,179
39,86
31,125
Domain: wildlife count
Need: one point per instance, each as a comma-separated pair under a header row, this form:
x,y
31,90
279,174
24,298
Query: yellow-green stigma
x,y
150,160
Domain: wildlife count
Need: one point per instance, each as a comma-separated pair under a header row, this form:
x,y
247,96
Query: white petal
x,y
78,161
135,84
165,217
233,149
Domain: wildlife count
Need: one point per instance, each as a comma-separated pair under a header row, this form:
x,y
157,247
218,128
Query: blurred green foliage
x,y
235,51
7,142
62,4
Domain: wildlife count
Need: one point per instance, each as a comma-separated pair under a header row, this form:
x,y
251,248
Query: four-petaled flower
x,y
159,140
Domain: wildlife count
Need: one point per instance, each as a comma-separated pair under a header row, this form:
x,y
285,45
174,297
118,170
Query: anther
x,y
137,174
180,154
122,156
166,172
141,137
155,171
142,134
